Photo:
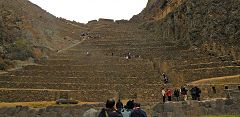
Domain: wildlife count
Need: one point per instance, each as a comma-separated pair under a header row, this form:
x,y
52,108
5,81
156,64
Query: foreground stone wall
x,y
217,106
195,108
48,95
51,111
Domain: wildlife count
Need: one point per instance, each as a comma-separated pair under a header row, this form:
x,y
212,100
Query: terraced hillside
x,y
119,59
86,77
97,68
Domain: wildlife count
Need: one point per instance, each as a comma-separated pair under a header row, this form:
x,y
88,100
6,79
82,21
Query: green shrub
x,y
19,50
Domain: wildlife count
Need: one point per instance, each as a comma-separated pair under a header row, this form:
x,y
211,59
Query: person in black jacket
x,y
110,111
119,105
137,111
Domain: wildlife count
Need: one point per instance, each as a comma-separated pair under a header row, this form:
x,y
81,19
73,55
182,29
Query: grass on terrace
x,y
219,80
221,116
39,104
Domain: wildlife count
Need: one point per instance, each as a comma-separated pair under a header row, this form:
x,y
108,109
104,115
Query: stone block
x,y
10,111
159,108
170,114
41,111
3,110
66,114
22,114
220,105
168,107
228,102
90,113
49,114
32,112
213,104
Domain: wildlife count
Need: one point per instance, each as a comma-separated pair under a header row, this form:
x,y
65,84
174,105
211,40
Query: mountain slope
x,y
193,22
24,23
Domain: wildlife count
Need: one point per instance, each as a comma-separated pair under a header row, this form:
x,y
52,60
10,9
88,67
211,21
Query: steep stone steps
x,y
31,95
83,80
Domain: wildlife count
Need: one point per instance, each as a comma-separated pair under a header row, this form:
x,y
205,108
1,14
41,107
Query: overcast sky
x,y
85,10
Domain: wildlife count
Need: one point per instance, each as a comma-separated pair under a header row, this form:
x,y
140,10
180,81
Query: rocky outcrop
x,y
194,22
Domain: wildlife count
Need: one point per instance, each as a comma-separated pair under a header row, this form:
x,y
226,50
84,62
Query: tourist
x,y
137,111
184,93
176,94
169,95
193,93
128,108
129,55
110,111
163,95
198,92
165,78
119,105
88,53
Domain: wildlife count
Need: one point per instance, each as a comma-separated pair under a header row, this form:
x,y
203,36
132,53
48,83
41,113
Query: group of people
x,y
131,109
168,93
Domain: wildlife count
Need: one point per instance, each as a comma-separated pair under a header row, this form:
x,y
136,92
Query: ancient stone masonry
x,y
222,51
169,109
51,111
126,59
197,108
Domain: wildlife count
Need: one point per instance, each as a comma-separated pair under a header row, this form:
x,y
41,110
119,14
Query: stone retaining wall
x,y
51,111
169,109
48,95
195,108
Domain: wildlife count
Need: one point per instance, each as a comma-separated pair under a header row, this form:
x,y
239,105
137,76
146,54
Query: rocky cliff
x,y
193,22
26,30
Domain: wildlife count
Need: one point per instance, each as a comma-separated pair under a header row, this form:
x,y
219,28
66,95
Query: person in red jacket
x,y
169,94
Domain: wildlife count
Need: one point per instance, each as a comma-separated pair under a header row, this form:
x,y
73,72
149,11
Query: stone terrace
x,y
105,72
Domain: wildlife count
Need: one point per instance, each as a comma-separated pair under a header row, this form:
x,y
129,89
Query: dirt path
x,y
204,81
59,51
